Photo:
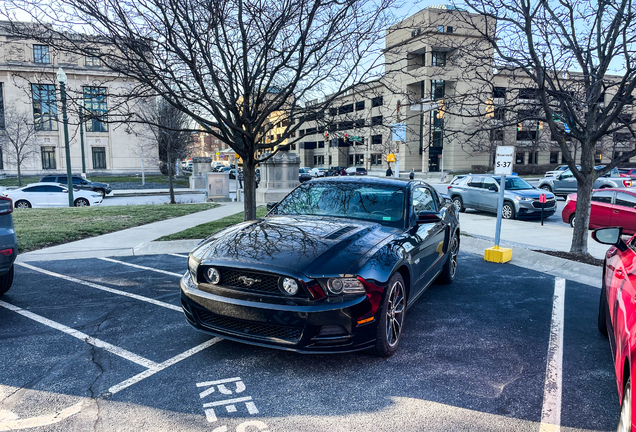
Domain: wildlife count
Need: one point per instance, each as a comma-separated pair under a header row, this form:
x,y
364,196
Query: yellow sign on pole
x,y
390,157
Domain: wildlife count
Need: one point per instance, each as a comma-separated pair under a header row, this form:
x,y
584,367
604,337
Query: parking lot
x,y
102,344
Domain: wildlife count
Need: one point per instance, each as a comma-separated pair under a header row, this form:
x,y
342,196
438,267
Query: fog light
x,y
289,286
213,276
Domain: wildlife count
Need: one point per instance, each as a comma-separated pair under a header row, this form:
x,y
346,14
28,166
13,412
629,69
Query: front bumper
x,y
528,209
328,326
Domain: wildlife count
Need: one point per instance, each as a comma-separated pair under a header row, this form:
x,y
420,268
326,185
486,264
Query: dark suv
x,y
80,183
8,244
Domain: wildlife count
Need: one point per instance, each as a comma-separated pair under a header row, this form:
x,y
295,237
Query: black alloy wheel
x,y
6,280
546,188
459,204
508,210
447,276
22,204
572,219
102,192
81,202
625,419
391,318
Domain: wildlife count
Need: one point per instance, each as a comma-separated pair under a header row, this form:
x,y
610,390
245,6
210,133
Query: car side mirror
x,y
428,217
610,236
492,188
559,177
271,205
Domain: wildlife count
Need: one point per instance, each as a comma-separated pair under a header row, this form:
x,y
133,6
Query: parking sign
x,y
503,160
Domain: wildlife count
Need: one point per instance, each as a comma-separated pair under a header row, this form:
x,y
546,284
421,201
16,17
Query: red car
x,y
610,207
627,172
617,314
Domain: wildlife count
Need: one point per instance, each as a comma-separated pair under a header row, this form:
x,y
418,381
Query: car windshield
x,y
372,202
515,183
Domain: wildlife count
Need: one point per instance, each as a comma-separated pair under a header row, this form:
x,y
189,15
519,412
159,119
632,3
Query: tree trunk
x,y
583,202
143,176
19,175
249,189
170,174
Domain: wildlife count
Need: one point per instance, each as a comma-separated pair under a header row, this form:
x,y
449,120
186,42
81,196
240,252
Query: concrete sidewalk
x,y
143,192
128,241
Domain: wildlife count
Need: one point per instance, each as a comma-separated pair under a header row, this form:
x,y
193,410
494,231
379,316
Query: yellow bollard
x,y
498,255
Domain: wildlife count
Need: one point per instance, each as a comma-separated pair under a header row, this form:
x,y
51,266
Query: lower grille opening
x,y
248,328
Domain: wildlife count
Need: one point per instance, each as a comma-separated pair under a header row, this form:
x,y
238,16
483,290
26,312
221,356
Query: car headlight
x,y
344,286
289,286
520,198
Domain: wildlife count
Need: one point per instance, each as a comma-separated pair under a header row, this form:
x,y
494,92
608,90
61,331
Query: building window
x,y
333,111
376,121
319,160
99,157
92,59
345,109
554,157
292,146
359,106
499,113
437,139
439,58
440,29
496,135
44,107
376,159
329,160
1,107
359,159
449,29
41,54
48,157
321,144
359,123
499,92
95,109
1,159
376,139
437,89
526,135
310,131
527,93
350,160
533,158
376,102
520,158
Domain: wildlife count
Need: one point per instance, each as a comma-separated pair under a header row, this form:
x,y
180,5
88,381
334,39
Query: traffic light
x,y
519,126
346,137
539,125
326,136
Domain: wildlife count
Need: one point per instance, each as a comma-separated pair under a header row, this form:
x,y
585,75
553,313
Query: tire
x,y
102,192
625,418
22,204
459,204
546,188
508,210
81,202
447,276
391,321
602,309
6,281
572,219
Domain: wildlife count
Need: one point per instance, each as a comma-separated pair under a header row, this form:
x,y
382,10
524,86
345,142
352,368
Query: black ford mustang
x,y
333,267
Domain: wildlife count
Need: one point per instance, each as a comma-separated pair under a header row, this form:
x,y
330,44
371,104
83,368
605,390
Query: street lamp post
x,y
61,77
81,127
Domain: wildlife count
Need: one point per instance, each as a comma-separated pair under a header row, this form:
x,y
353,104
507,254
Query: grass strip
x,y
13,181
206,229
39,228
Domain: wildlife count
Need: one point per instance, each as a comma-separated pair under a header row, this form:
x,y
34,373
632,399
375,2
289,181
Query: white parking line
x,y
82,336
161,366
143,267
103,288
179,255
551,411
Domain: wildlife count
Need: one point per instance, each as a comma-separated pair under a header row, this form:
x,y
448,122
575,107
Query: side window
x,y
604,197
423,200
474,182
566,175
36,189
55,189
48,179
77,180
625,200
62,180
490,184
31,189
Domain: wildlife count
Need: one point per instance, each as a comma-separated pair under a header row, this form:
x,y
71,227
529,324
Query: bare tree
x,y
228,64
17,137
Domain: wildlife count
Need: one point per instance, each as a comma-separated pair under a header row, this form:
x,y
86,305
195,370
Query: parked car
x,y
481,192
79,183
558,170
225,169
50,195
303,175
627,172
565,183
610,207
317,172
334,171
356,171
617,314
333,267
8,244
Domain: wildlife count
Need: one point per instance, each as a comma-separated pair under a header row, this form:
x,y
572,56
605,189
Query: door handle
x,y
615,211
620,274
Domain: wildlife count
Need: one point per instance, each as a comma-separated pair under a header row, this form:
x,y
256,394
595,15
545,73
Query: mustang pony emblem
x,y
248,281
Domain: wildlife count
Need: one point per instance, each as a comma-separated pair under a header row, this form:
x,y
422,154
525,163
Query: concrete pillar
x,y
201,166
279,175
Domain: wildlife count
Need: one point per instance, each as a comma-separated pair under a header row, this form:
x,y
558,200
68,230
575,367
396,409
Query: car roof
x,y
631,190
45,184
370,180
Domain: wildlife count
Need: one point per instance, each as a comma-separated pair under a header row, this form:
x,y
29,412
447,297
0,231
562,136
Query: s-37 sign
x,y
503,160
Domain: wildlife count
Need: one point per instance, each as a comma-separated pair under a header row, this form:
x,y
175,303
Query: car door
x,y
565,183
56,196
80,183
429,238
488,199
472,192
624,212
36,195
601,213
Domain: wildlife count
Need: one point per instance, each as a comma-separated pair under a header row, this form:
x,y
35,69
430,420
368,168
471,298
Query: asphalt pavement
x,y
101,344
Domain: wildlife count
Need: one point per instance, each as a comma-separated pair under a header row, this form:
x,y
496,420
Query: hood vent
x,y
340,232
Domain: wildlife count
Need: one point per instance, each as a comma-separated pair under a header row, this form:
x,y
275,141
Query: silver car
x,y
565,183
521,199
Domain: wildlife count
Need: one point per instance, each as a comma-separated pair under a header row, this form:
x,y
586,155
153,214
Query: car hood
x,y
530,193
314,246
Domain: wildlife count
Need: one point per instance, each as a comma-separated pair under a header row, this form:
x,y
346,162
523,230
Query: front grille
x,y
248,328
260,283
548,204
